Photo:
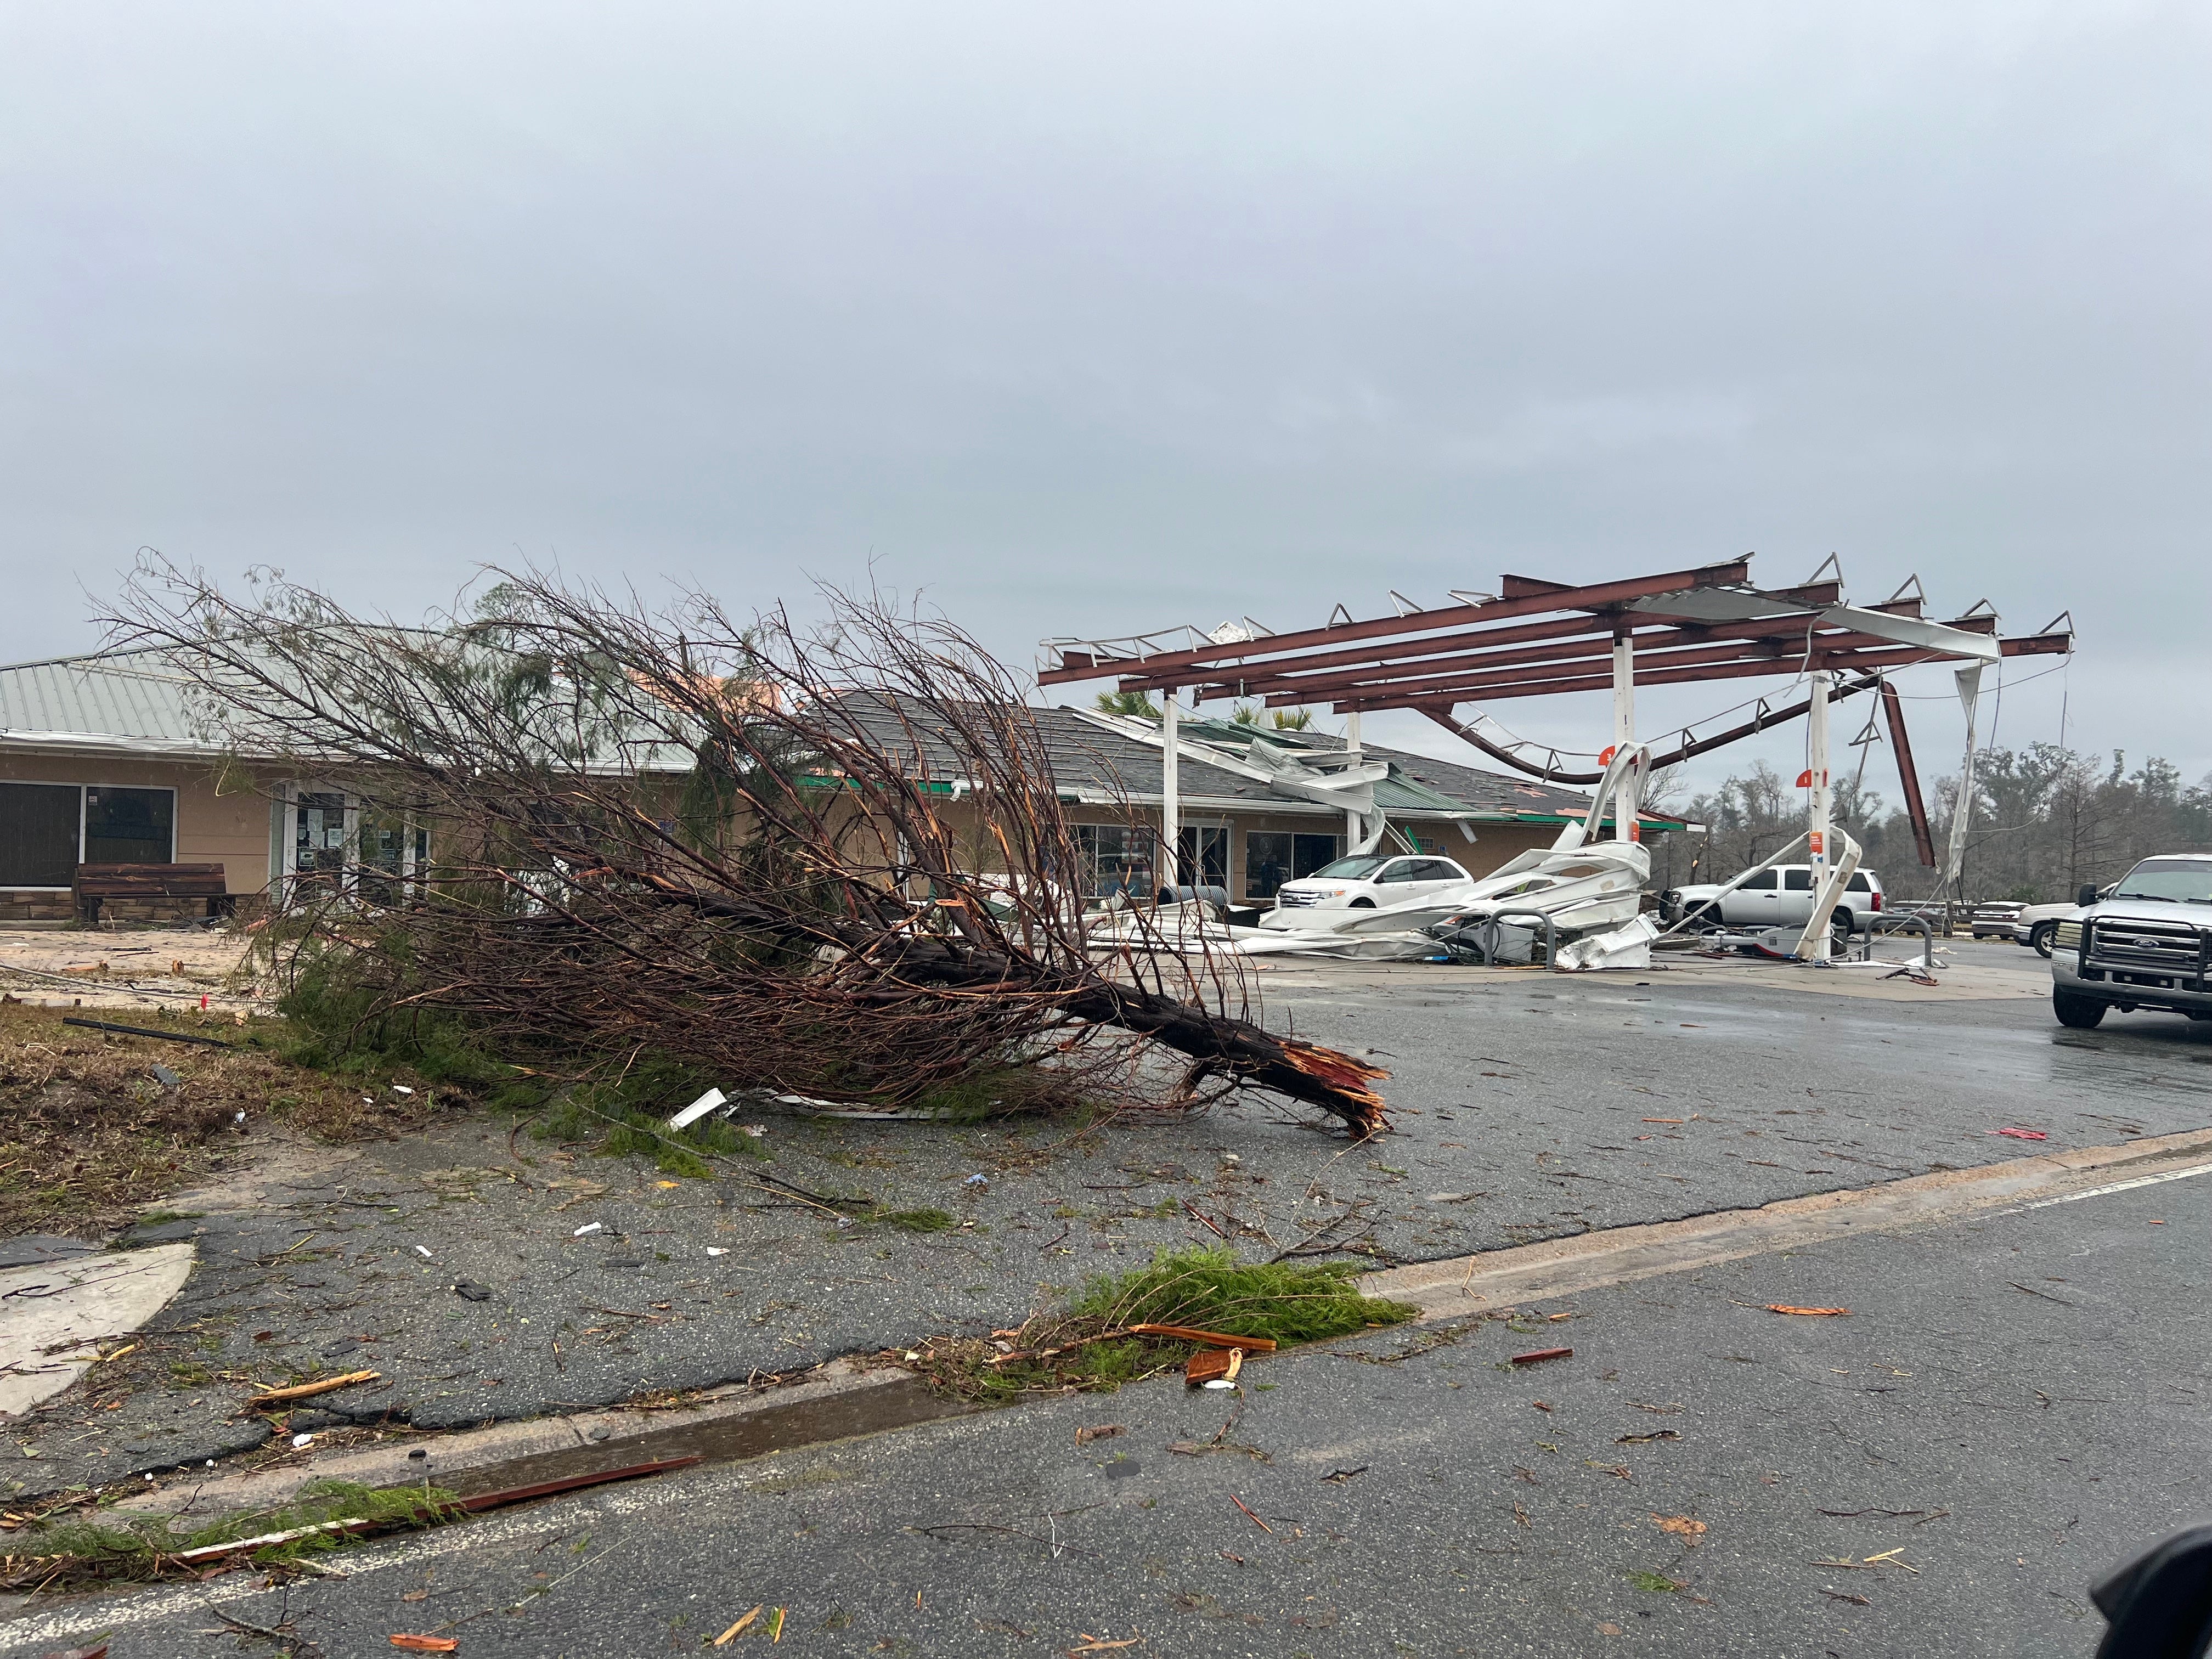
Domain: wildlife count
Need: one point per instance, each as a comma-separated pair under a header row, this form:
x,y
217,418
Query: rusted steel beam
x,y
1866,652
1908,776
1840,662
1658,647
1299,680
1419,621
1687,750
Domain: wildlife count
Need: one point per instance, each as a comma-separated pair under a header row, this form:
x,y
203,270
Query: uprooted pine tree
x,y
827,861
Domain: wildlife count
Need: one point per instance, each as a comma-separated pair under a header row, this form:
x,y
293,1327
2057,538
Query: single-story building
x,y
103,761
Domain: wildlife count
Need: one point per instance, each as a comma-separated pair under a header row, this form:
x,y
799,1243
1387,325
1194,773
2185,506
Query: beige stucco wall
x,y
230,828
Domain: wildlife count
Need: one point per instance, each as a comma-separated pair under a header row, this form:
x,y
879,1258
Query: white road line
x,y
2116,1187
125,1610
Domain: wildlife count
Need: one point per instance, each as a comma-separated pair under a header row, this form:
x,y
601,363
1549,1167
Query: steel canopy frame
x,y
1677,627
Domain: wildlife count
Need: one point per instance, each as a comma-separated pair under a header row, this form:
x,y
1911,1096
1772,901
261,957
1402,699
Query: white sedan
x,y
1365,881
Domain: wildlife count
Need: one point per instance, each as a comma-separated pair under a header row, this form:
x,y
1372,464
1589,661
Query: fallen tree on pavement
x,y
825,862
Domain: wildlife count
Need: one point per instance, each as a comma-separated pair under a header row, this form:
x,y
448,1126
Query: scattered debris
x,y
745,1620
144,1031
1209,1339
1647,1439
588,1227
425,1643
1213,1368
424,1251
1537,1356
1256,1521
1688,1528
1089,1643
1809,1313
1886,1559
1340,1476
1844,1596
308,1390
1103,1431
2022,1134
690,1115
1926,1516
469,1290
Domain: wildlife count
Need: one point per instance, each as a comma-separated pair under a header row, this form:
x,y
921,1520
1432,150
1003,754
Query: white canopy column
x,y
1821,842
1167,871
1353,830
1626,825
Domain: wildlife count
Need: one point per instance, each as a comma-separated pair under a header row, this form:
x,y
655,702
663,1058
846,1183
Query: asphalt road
x,y
2012,1405
1526,1106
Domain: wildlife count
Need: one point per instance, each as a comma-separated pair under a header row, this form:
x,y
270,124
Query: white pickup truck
x,y
1780,897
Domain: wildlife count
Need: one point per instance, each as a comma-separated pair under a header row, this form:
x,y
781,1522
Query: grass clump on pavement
x,y
1088,1345
110,1546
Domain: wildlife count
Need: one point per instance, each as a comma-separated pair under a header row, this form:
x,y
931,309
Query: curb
x,y
844,1401
1565,1266
840,1401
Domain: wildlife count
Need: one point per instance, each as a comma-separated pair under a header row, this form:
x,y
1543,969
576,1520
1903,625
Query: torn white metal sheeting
x,y
1750,605
1626,946
697,1109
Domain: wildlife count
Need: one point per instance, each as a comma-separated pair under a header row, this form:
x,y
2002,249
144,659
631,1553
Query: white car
x,y
2036,923
1365,881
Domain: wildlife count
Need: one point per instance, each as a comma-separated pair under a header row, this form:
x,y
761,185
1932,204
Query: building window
x,y
1116,858
319,834
1274,857
38,825
130,826
393,848
1205,860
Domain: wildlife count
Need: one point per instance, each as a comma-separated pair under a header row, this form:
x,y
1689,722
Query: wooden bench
x,y
96,885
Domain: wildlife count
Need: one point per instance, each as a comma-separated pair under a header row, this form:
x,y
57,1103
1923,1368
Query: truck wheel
x,y
2038,937
1841,924
2082,1013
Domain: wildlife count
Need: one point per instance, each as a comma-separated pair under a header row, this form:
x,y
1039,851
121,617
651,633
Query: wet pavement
x,y
2013,1405
1526,1106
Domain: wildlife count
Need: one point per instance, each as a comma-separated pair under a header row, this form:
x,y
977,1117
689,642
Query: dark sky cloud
x,y
1087,321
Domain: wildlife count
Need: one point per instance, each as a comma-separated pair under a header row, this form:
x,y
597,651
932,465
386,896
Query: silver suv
x,y
1780,897
2146,943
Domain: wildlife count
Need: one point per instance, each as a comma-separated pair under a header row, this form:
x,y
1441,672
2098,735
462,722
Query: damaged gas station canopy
x,y
1534,637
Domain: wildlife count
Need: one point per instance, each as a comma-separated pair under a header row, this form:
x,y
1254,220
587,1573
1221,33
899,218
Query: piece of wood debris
x,y
1537,1356
1210,1339
308,1390
745,1620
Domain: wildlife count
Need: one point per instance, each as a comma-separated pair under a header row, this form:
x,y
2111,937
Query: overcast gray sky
x,y
1094,318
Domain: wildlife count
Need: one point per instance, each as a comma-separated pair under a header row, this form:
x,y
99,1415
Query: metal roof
x,y
120,701
135,702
